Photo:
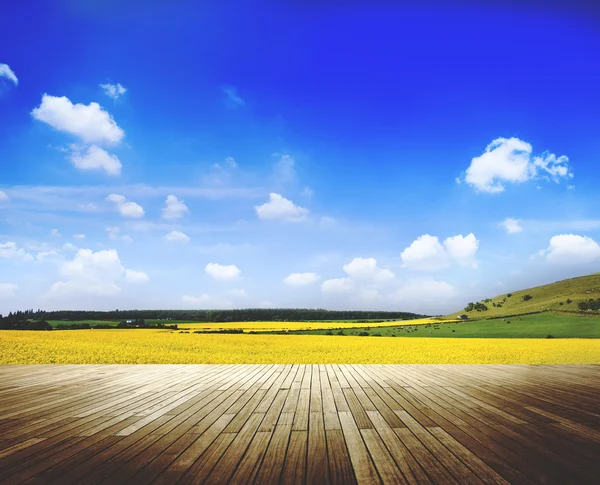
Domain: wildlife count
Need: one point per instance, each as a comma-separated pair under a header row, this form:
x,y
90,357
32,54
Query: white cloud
x,y
366,269
113,91
570,249
10,250
55,233
79,236
94,273
280,208
369,295
8,290
7,73
127,209
462,249
509,160
177,236
426,253
174,208
511,225
232,99
337,285
95,158
136,276
89,122
114,233
4,196
222,272
301,279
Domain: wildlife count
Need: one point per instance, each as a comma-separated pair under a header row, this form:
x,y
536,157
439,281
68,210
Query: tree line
x,y
245,315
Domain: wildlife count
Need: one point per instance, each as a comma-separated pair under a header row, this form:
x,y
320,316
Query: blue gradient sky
x,y
369,123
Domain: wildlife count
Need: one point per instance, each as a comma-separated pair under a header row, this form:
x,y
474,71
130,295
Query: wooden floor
x,y
313,424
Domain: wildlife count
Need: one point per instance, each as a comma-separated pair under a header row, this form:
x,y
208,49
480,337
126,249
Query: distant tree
x,y
527,297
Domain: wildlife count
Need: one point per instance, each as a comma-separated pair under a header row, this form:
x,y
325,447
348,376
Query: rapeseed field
x,y
171,347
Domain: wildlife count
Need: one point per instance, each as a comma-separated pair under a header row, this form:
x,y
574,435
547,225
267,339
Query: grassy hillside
x,y
548,297
540,325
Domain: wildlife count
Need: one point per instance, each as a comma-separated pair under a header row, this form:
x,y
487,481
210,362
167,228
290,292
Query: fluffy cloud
x,y
280,208
509,160
55,233
8,290
570,249
511,225
462,249
238,293
7,73
78,236
127,209
136,276
206,302
174,208
301,279
113,91
366,269
95,158
89,122
426,253
95,273
337,285
10,250
4,196
222,272
177,236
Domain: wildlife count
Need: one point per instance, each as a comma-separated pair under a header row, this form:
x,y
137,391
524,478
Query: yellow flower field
x,y
277,326
168,347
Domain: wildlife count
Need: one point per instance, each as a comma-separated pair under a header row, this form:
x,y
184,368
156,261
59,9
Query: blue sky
x,y
361,156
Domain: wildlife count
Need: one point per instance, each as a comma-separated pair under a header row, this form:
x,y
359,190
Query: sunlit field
x,y
282,326
163,346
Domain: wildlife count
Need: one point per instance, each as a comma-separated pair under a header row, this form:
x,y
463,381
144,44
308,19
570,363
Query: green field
x,y
560,296
529,326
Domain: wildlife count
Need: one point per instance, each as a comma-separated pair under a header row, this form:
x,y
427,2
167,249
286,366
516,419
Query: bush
x,y
509,295
527,297
363,334
549,336
569,301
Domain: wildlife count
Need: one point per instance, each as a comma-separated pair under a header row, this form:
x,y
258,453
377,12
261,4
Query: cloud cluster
x,y
95,158
94,273
301,279
126,208
572,250
426,253
114,91
177,236
511,225
10,250
363,274
91,123
280,208
509,160
222,272
174,208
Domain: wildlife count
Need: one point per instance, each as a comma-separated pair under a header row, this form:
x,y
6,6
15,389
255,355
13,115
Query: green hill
x,y
560,296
